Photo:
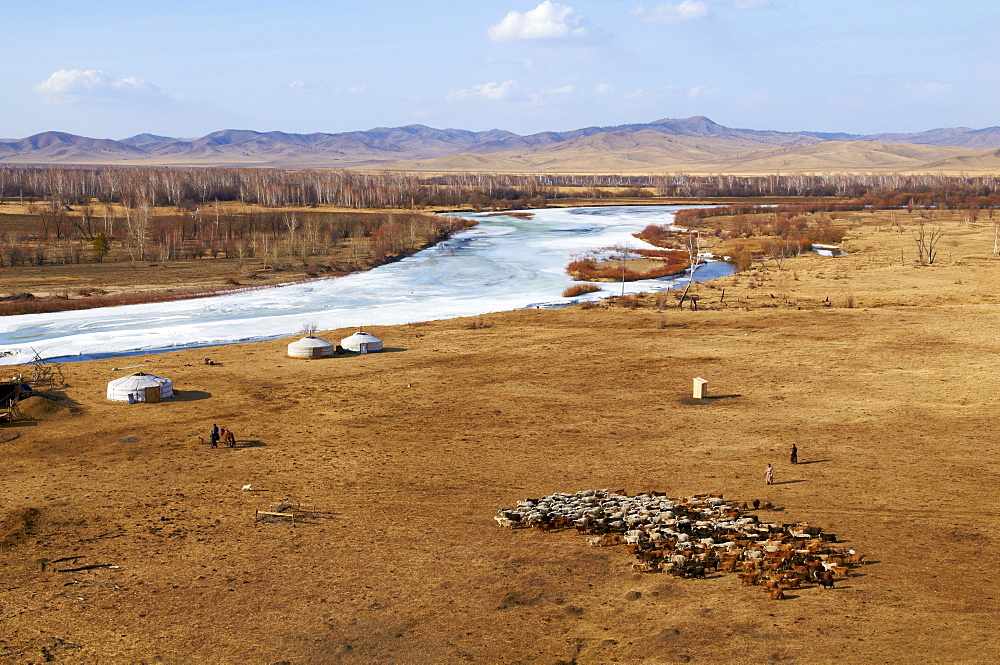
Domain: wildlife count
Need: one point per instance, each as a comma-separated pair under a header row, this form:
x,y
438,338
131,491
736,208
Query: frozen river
x,y
502,264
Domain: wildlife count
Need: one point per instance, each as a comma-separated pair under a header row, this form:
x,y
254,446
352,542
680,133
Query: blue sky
x,y
111,68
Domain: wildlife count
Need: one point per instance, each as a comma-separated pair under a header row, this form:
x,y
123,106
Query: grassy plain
x,y
882,371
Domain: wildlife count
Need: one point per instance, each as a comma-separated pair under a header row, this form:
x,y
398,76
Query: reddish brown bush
x,y
580,289
590,269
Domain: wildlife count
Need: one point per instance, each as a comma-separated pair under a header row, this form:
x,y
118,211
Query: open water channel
x,y
504,263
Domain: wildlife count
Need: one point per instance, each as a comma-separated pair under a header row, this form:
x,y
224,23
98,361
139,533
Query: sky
x,y
184,68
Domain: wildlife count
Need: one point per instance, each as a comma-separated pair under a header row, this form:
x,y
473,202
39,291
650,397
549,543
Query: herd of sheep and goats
x,y
688,537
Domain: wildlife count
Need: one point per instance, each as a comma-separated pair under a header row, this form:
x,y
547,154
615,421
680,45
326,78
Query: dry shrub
x,y
591,305
663,297
232,279
513,594
478,324
674,255
17,526
308,329
659,235
580,289
628,302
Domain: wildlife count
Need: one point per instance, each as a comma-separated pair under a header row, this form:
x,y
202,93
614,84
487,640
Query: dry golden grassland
x,y
407,455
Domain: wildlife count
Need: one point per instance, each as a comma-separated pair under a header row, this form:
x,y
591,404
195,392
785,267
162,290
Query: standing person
x,y
769,475
795,454
215,436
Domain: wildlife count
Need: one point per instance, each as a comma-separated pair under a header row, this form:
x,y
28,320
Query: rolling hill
x,y
695,144
650,152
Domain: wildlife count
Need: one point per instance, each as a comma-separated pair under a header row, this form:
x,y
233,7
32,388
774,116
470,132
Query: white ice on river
x,y
502,264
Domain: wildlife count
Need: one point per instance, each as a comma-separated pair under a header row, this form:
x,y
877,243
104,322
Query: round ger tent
x,y
141,387
311,347
354,342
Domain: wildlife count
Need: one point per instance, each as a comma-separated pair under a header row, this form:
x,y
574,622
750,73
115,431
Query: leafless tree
x,y
621,252
778,249
693,245
927,240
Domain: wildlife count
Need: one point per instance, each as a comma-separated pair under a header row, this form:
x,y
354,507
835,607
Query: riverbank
x,y
45,271
52,274
504,263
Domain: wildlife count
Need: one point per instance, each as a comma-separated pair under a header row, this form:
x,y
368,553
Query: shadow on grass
x,y
704,401
57,396
814,461
245,443
190,395
385,349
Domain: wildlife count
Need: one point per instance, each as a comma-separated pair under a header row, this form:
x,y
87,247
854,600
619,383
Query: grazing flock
x,y
689,537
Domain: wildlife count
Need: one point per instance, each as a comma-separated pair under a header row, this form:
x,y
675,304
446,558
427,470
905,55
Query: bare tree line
x,y
74,205
95,232
135,186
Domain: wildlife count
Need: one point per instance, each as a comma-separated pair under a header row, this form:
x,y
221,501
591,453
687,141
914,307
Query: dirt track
x,y
409,453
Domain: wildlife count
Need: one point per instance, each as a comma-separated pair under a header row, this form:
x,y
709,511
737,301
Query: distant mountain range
x,y
694,144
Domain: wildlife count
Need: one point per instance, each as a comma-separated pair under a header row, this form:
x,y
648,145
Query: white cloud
x,y
703,91
494,91
604,88
545,93
302,85
564,90
68,86
688,10
664,92
548,21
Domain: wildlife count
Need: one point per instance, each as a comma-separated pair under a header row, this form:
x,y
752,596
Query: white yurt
x,y
311,347
140,387
362,342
